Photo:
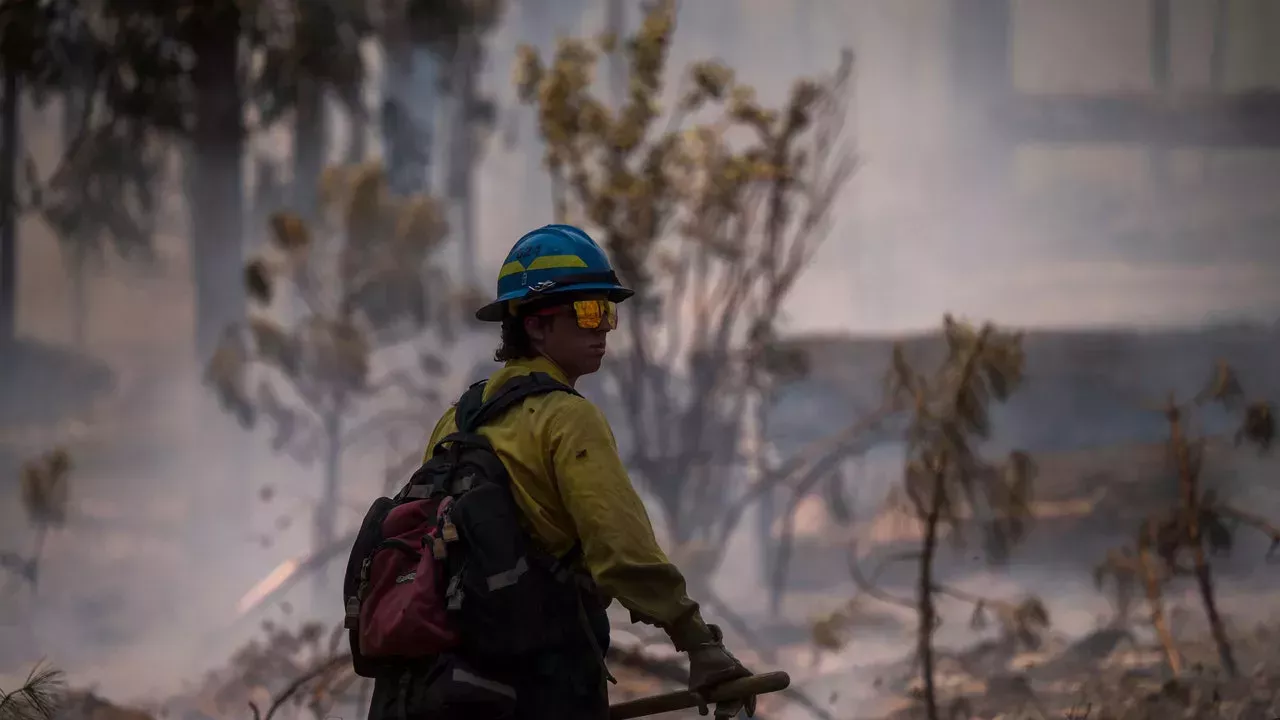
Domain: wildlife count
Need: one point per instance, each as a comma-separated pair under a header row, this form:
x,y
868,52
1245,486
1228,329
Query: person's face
x,y
558,333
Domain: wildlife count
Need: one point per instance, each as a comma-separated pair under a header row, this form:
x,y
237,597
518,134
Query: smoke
x,y
140,591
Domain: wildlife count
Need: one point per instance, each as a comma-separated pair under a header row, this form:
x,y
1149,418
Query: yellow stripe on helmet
x,y
546,262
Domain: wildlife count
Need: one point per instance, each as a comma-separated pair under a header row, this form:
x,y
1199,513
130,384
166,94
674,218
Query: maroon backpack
x,y
401,614
446,564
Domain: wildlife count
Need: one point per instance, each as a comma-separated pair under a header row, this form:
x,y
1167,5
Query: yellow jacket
x,y
571,485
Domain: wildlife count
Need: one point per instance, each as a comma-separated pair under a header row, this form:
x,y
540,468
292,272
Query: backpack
x,y
445,566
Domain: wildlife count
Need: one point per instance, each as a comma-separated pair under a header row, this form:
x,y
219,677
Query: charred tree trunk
x,y
1155,601
1189,476
536,19
772,555
410,99
78,254
615,24
8,213
462,160
1204,579
308,147
217,201
927,611
216,206
358,145
781,557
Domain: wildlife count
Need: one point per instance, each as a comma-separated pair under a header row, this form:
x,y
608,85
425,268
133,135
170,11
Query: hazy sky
x,y
911,241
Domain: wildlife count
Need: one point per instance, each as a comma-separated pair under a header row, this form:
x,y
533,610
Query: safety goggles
x,y
591,314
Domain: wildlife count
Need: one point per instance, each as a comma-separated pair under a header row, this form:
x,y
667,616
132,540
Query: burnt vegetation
x,y
1199,523
45,490
713,209
333,300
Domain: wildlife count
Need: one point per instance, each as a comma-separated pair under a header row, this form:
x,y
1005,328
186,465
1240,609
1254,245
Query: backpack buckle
x,y
353,613
417,492
462,484
454,593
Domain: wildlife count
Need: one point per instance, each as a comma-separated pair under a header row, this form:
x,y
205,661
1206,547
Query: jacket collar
x,y
526,366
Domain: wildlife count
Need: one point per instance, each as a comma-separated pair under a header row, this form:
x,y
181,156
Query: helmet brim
x,y
493,312
496,311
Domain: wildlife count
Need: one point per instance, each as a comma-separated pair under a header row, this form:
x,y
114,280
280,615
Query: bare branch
x,y
812,460
362,280
299,683
711,224
868,586
1255,521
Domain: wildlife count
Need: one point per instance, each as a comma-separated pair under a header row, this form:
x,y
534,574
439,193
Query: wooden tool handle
x,y
685,699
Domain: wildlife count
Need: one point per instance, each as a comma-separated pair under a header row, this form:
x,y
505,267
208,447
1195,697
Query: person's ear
x,y
535,329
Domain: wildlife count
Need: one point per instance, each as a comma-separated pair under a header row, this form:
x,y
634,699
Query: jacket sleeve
x,y
618,543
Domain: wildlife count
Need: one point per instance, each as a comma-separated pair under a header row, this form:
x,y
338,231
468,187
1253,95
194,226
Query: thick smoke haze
x,y
914,238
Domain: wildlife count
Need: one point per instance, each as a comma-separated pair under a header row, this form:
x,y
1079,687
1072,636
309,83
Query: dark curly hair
x,y
516,343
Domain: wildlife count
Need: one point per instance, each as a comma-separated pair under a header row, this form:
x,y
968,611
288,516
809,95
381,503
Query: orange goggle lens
x,y
590,314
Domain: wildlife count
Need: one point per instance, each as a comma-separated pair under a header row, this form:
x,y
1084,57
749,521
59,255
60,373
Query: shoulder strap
x,y
512,392
471,413
470,402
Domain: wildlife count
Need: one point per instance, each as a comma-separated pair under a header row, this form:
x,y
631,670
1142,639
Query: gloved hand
x,y
710,664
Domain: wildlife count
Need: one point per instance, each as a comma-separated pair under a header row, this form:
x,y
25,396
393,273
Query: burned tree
x,y
102,194
1126,567
947,482
367,282
711,213
45,495
1197,523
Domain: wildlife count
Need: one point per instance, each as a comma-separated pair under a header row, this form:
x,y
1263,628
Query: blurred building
x,y
1088,413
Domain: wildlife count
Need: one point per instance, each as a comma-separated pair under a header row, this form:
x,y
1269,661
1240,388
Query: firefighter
x,y
557,302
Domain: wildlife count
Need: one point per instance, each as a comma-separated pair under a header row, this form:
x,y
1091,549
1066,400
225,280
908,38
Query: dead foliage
x,y
711,211
946,478
1198,522
333,300
285,672
45,486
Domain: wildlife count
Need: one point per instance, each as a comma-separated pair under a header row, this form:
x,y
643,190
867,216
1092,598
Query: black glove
x,y
710,664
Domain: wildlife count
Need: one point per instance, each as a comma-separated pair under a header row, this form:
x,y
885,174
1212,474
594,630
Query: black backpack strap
x,y
467,406
470,413
511,393
470,402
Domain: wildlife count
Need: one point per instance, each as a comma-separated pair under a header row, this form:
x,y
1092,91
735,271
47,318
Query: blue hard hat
x,y
553,259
